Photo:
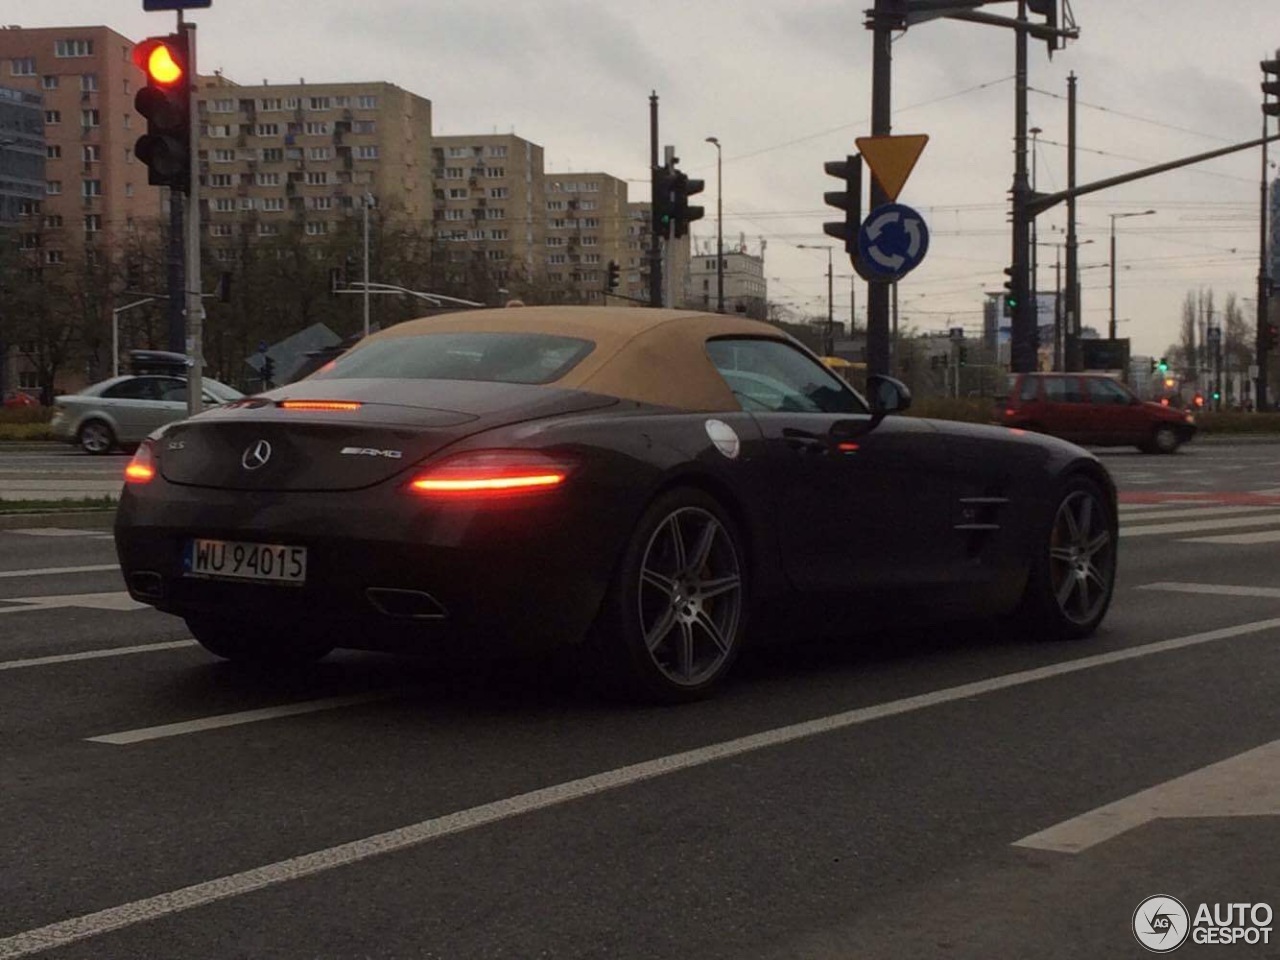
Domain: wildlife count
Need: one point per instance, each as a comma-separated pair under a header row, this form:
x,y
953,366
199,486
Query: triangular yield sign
x,y
892,159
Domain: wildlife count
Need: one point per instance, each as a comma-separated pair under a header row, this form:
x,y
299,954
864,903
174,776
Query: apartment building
x,y
745,290
308,154
587,225
489,211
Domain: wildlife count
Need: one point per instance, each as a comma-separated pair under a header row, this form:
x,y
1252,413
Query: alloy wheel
x,y
95,437
690,596
1082,553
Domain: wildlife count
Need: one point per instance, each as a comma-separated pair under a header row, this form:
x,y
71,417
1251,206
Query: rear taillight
x,y
492,473
142,468
319,404
1009,411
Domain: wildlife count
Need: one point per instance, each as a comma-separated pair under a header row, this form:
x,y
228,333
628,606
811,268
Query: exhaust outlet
x,y
405,604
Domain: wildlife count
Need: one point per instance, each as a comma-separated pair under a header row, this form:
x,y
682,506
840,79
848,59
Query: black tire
x,y
1164,439
95,437
662,635
1073,565
252,645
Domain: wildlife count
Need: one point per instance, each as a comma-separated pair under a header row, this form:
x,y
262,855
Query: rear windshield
x,y
500,357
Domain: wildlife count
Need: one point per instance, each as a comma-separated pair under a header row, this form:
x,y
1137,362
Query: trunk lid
x,y
260,444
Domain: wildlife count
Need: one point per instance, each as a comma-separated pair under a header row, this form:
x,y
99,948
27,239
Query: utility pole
x,y
195,305
1270,68
655,235
1071,341
1024,332
881,125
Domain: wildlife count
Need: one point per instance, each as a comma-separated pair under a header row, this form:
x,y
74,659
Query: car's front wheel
x,y
1073,567
95,437
254,645
673,621
1164,439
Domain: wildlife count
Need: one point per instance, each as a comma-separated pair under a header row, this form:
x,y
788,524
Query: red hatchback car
x,y
1093,409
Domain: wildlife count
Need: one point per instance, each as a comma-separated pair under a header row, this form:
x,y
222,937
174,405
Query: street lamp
x,y
1114,217
719,231
830,345
367,201
1035,278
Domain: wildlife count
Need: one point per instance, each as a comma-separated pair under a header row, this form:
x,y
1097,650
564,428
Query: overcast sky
x,y
785,85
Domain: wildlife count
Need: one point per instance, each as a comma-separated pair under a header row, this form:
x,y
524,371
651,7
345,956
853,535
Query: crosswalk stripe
x,y
1194,526
1240,539
1192,512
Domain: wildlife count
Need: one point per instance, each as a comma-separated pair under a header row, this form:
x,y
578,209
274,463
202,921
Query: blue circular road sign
x,y
891,242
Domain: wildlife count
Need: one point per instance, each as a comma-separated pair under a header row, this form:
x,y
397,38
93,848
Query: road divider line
x,y
241,717
94,654
1239,539
115,600
1216,589
1180,513
1195,526
52,571
64,932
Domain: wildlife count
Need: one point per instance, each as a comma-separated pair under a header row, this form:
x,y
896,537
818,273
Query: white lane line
x,y
1223,590
93,654
62,532
1193,512
1246,785
235,884
116,600
51,571
235,719
1239,539
1192,526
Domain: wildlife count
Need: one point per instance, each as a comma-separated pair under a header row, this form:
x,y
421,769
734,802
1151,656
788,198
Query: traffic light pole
x,y
195,307
655,231
1260,393
1072,361
1024,333
881,125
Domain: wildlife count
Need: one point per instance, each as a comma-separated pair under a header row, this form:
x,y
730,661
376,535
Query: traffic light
x,y
613,271
1163,365
682,188
1270,87
1153,366
964,355
1049,10
165,102
1010,292
663,211
849,200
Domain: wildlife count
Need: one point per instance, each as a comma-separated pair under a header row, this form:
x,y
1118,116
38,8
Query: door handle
x,y
803,441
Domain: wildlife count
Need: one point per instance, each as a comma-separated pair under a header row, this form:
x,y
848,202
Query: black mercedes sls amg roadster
x,y
638,486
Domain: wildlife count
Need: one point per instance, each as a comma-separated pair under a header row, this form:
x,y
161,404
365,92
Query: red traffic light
x,y
162,59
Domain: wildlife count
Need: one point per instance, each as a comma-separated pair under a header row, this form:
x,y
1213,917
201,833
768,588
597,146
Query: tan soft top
x,y
651,356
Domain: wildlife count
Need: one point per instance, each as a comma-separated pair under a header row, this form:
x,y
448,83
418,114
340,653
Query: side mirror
x,y
887,395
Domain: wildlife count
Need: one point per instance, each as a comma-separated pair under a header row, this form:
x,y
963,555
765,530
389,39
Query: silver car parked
x,y
123,410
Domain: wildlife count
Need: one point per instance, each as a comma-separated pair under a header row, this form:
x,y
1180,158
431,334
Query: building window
x,y
248,203
367,103
367,153
495,171
293,153
52,117
73,48
128,189
272,204
588,204
224,156
320,153
224,255
91,153
459,193
499,193
292,103
342,102
495,213
591,258
220,229
268,229
497,151
555,241
268,180
89,83
224,205
317,178
23,67
496,254
49,82
316,228
364,126
456,152
455,214
53,152
454,173
269,103
555,204
590,222
272,154
91,188
53,221
220,180
53,256
319,103
90,118
589,241
267,130
499,235
222,106
320,203
317,127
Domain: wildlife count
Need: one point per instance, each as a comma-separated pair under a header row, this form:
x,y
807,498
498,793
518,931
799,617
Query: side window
x,y
773,376
173,391
139,388
1063,390
1030,388
1107,391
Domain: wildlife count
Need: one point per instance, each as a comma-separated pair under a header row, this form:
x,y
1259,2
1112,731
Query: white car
x,y
123,410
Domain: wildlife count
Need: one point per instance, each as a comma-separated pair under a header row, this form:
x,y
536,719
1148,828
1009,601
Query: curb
x,y
74,519
1241,438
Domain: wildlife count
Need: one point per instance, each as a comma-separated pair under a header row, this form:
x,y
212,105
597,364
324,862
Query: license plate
x,y
234,560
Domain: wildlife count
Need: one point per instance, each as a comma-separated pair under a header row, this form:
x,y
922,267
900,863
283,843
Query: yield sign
x,y
892,159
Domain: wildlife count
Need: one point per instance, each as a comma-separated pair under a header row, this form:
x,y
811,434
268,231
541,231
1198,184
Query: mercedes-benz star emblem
x,y
256,455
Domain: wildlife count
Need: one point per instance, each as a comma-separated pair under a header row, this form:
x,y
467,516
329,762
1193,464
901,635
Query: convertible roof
x,y
651,356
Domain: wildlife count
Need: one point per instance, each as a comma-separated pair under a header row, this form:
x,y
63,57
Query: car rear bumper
x,y
385,570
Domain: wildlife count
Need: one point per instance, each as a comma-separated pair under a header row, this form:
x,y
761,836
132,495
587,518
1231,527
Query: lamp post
x,y
719,230
367,203
1114,217
829,346
1035,262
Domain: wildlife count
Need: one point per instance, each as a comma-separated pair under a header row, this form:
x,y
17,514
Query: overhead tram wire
x,y
1133,116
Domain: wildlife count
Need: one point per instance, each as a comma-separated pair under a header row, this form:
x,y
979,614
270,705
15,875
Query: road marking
x,y
1247,785
1192,526
62,532
51,571
117,600
150,908
1240,539
94,654
235,719
1215,589
1178,513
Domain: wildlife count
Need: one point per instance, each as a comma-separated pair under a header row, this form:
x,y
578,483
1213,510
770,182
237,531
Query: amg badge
x,y
370,452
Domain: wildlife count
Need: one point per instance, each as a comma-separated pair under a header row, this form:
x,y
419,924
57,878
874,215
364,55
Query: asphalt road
x,y
949,794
